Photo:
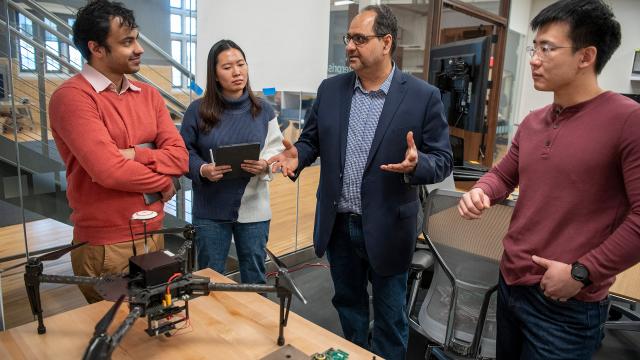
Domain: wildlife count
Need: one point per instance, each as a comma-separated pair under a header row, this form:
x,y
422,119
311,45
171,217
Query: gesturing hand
x,y
473,203
408,165
287,161
213,172
254,166
557,282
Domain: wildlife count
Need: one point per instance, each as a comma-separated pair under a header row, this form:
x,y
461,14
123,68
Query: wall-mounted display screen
x,y
461,71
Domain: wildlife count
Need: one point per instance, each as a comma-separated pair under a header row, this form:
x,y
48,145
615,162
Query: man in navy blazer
x,y
378,132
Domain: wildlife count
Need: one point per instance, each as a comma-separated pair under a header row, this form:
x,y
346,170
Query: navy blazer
x,y
389,203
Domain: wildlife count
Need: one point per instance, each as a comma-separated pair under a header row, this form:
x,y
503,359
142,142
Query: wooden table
x,y
627,284
224,326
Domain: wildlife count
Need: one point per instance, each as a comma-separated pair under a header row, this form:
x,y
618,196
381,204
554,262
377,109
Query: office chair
x,y
458,312
422,257
617,310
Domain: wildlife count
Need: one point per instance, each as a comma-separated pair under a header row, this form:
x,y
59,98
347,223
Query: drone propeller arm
x,y
120,332
187,253
98,348
102,345
99,344
64,279
184,248
260,288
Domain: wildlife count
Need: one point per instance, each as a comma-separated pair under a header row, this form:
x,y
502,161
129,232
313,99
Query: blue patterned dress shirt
x,y
366,108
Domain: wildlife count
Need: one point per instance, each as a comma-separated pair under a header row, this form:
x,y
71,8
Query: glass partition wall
x,y
33,203
36,56
427,24
292,203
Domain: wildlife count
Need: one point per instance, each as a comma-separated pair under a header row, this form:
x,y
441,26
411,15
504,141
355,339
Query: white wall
x,y
285,41
520,15
616,73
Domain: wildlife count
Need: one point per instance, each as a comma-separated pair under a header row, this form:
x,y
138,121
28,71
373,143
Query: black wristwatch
x,y
580,273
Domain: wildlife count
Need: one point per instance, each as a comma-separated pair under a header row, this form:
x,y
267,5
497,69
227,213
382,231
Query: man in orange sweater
x,y
97,119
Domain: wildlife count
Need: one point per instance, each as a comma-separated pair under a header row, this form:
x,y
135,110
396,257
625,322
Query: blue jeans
x,y
350,271
532,326
213,239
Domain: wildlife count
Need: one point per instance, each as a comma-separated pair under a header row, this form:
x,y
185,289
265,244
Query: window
x,y
190,5
75,58
176,3
53,65
183,44
176,54
52,43
27,56
190,25
176,24
191,56
27,51
25,25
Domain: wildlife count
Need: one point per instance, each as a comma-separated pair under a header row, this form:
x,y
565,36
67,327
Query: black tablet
x,y
234,155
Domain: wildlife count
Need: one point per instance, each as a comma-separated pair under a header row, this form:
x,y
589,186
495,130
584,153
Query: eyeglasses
x,y
544,50
359,39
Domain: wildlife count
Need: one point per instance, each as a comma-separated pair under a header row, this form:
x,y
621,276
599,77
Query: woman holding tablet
x,y
230,114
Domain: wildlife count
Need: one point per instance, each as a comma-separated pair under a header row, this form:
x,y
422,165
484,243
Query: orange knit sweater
x,y
103,188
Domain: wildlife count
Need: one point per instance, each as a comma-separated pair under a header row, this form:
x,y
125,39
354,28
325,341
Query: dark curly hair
x,y
591,23
94,21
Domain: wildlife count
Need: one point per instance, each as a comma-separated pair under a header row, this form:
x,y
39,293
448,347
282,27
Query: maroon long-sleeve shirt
x,y
579,175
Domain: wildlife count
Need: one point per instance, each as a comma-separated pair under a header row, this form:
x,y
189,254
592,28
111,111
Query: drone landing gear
x,y
32,275
285,304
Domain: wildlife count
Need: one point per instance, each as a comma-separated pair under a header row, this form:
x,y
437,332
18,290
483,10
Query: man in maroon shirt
x,y
577,220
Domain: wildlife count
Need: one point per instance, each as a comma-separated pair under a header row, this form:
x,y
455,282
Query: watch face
x,y
579,272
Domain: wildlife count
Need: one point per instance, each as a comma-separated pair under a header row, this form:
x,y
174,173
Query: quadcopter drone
x,y
159,286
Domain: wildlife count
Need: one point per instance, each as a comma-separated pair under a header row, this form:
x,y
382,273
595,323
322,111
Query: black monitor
x,y
461,71
457,147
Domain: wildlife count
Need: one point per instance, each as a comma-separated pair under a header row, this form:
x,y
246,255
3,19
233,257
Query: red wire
x,y
171,279
300,267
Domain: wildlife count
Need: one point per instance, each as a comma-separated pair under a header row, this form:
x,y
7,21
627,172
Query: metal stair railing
x,y
42,54
164,55
181,108
186,72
